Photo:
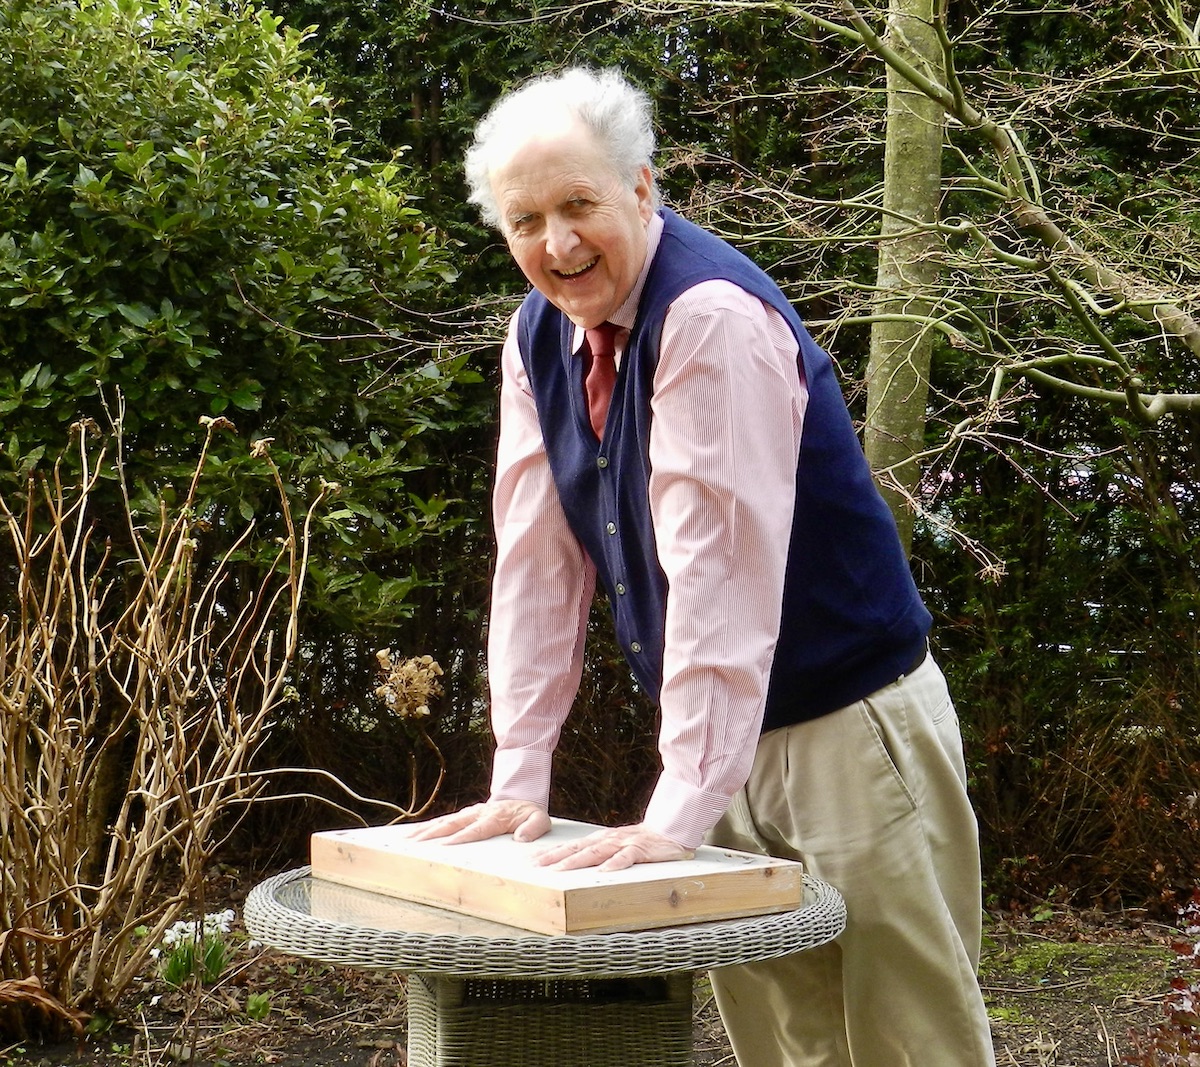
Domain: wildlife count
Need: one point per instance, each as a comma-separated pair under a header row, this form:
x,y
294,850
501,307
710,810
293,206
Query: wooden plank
x,y
347,904
498,880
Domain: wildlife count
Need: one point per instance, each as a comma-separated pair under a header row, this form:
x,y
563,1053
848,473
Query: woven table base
x,y
611,1022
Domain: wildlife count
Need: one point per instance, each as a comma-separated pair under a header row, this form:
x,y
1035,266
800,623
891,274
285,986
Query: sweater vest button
x,y
611,527
635,647
602,462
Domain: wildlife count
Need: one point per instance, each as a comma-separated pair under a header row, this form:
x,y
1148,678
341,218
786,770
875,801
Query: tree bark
x,y
898,367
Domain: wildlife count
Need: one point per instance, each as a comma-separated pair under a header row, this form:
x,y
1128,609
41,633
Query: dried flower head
x,y
408,685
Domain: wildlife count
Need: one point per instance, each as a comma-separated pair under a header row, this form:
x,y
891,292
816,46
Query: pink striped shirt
x,y
728,410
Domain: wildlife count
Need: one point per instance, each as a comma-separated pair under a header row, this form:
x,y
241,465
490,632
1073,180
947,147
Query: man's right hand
x,y
523,819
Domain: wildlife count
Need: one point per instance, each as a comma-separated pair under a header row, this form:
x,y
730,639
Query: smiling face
x,y
574,227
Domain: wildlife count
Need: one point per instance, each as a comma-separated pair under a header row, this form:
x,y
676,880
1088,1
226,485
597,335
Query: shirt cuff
x,y
682,812
522,774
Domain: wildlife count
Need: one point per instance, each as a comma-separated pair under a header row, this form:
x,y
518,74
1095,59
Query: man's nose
x,y
561,238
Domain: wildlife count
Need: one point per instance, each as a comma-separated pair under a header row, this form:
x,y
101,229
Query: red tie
x,y
601,371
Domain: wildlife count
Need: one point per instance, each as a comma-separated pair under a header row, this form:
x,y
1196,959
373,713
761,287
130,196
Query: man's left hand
x,y
614,849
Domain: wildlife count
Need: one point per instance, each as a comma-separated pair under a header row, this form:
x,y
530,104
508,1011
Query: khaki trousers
x,y
871,798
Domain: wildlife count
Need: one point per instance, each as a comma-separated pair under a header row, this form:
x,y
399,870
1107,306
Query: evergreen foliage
x,y
186,231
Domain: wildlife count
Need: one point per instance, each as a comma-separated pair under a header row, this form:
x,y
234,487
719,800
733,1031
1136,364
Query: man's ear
x,y
644,189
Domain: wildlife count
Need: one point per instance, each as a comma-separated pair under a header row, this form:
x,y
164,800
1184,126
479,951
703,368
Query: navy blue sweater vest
x,y
852,619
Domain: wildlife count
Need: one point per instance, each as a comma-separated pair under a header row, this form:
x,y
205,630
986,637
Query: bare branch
x,y
135,696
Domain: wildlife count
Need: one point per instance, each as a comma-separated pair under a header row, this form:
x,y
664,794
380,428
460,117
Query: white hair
x,y
618,115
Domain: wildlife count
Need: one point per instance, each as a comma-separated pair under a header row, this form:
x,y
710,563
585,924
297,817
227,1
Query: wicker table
x,y
485,995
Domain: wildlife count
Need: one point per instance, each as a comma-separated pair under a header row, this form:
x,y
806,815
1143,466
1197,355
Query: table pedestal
x,y
587,1022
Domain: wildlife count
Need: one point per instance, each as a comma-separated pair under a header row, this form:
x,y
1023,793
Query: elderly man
x,y
668,425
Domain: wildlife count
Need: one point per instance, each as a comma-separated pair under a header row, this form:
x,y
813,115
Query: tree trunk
x,y
898,369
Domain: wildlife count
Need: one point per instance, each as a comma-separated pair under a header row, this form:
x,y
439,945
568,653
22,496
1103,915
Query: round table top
x,y
336,924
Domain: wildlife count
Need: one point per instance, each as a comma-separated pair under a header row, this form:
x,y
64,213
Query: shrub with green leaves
x,y
184,230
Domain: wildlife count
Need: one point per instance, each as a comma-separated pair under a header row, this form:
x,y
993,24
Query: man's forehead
x,y
559,131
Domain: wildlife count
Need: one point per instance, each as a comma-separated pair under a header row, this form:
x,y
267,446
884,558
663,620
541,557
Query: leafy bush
x,y
182,223
184,231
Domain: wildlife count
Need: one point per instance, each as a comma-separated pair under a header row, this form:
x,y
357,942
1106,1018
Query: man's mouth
x,y
574,272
